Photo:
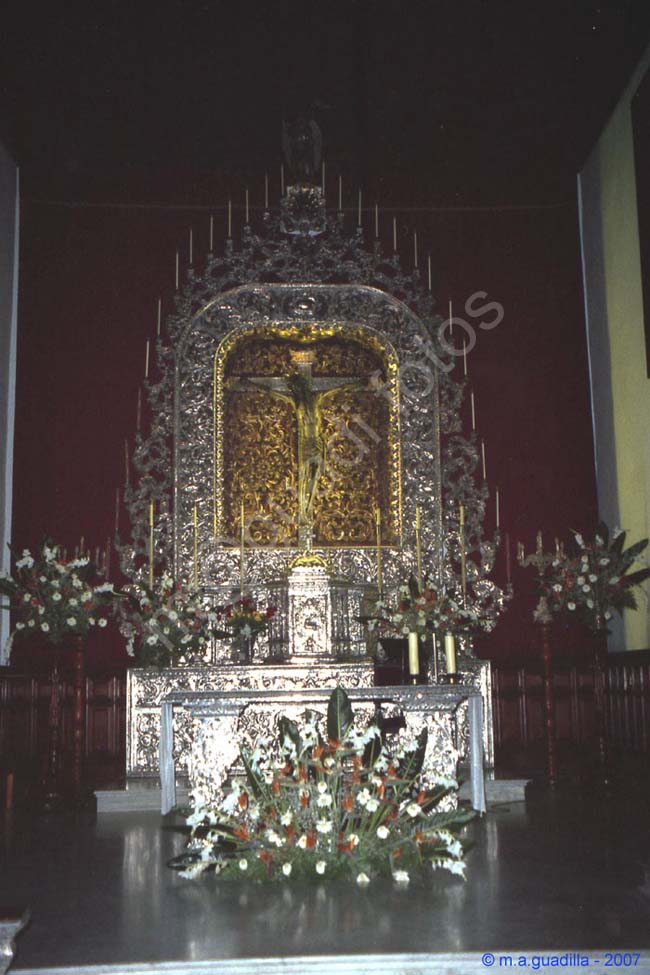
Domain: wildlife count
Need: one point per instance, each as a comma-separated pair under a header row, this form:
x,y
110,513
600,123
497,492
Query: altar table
x,y
218,719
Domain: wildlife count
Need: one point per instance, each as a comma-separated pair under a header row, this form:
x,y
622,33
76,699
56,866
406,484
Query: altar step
x,y
449,963
141,798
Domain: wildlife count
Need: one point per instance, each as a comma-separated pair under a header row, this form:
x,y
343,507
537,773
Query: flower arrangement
x,y
321,803
594,579
166,626
53,597
244,617
422,612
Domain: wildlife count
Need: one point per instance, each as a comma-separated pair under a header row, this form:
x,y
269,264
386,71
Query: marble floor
x,y
540,877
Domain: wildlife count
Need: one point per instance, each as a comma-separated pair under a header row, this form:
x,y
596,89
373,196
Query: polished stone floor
x,y
540,876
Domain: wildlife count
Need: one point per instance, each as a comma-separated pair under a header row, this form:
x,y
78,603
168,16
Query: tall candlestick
x,y
418,546
211,232
246,208
415,248
461,542
242,555
395,234
508,573
380,583
429,270
229,219
281,179
159,317
151,540
497,512
473,405
340,194
196,548
377,220
414,654
266,191
146,361
483,459
191,247
177,276
450,653
359,215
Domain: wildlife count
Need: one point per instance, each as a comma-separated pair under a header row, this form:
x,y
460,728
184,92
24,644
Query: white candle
x,y
497,509
473,411
247,208
451,318
429,270
450,653
464,358
177,269
211,233
483,459
159,316
414,654
146,361
415,248
229,219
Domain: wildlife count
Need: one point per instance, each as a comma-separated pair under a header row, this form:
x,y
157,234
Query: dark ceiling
x,y
477,101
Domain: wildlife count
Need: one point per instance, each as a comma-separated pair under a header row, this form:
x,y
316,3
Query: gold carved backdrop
x,y
259,442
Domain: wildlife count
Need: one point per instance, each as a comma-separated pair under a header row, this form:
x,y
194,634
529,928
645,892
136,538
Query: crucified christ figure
x,y
306,395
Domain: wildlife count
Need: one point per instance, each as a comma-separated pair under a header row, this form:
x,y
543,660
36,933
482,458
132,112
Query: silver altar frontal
x,y
304,418
218,723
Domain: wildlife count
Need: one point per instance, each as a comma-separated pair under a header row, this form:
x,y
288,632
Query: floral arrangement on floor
x,y
166,626
429,611
594,579
328,802
53,597
244,618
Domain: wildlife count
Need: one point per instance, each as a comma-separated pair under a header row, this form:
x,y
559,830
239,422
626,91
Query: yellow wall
x,y
612,164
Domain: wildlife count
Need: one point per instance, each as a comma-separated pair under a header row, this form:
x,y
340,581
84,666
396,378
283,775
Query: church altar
x,y
306,451
219,723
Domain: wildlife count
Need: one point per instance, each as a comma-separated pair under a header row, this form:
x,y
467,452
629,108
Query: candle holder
x,y
450,678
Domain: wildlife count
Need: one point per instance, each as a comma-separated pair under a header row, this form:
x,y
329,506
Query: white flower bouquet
x,y
325,802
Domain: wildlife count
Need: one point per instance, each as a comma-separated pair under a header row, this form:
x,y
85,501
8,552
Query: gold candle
x,y
242,556
414,654
379,572
461,541
151,539
418,546
450,653
196,548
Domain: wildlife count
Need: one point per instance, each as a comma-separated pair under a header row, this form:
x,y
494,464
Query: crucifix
x,y
306,394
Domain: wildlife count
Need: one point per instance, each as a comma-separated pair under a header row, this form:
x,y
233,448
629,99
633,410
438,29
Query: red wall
x,y
90,279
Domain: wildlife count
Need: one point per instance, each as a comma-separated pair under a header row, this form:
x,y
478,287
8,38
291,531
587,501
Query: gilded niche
x,y
308,446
